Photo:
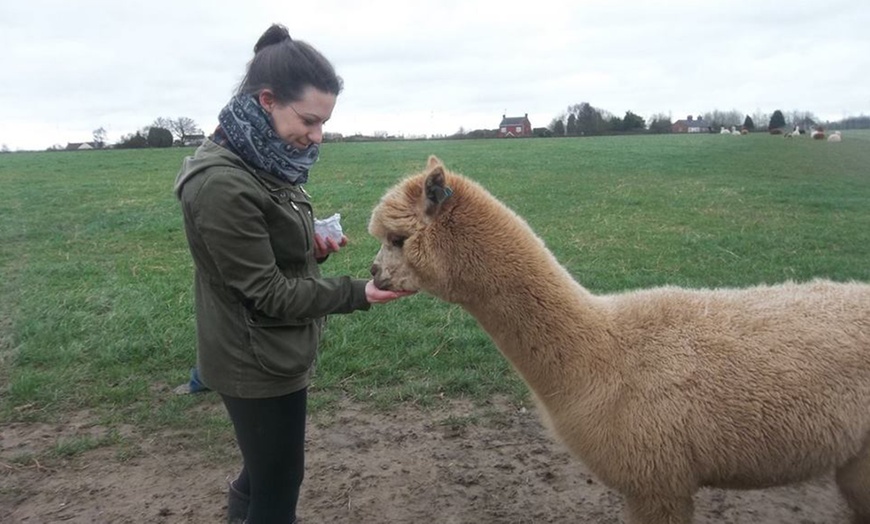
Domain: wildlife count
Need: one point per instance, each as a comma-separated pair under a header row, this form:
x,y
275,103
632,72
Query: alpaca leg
x,y
657,509
853,479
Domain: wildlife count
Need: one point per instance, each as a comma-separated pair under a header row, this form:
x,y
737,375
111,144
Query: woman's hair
x,y
287,67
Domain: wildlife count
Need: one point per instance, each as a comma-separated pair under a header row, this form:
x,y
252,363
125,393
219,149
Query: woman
x,y
260,299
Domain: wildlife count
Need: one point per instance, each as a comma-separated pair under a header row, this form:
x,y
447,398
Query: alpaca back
x,y
774,376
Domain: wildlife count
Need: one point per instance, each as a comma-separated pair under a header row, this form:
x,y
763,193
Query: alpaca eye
x,y
397,241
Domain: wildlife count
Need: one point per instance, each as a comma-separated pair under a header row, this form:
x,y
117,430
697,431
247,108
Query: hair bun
x,y
274,35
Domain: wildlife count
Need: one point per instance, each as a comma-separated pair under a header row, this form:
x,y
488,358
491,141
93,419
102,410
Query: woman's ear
x,y
267,100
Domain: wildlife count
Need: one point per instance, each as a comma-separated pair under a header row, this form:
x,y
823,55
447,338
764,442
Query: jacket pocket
x,y
284,348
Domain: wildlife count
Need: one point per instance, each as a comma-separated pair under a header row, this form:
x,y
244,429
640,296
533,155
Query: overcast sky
x,y
431,67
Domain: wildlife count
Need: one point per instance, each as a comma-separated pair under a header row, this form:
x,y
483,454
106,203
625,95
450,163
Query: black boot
x,y
237,505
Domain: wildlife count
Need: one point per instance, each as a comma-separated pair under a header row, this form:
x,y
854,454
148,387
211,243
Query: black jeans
x,y
271,436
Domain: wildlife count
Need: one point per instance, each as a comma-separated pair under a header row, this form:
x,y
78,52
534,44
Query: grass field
x,y
96,279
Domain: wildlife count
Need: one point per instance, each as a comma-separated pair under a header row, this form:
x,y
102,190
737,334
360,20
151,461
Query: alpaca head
x,y
415,239
444,234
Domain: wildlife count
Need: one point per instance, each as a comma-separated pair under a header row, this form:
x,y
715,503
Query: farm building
x,y
81,146
691,125
514,126
193,140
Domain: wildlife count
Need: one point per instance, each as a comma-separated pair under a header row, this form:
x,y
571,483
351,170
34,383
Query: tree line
x,y
584,119
163,132
577,120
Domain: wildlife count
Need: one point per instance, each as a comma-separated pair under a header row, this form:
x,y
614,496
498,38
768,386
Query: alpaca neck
x,y
549,327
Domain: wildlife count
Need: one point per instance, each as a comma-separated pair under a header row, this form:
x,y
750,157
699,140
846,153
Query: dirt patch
x,y
456,464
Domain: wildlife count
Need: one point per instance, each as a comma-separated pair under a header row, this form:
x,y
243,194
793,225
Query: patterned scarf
x,y
248,130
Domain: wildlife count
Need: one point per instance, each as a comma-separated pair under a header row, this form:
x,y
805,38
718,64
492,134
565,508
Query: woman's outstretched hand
x,y
376,295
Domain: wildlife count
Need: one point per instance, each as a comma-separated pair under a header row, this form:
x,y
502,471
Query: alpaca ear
x,y
436,189
433,161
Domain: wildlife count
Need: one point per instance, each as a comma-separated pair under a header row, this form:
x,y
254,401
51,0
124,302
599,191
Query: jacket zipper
x,y
309,233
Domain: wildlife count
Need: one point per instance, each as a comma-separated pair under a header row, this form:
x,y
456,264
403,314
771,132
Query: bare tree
x,y
99,137
183,127
660,123
162,123
719,119
760,118
804,119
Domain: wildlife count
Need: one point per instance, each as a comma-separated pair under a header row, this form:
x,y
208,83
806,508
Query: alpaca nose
x,y
375,270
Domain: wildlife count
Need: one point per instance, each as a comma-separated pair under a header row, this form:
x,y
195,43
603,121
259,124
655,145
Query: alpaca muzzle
x,y
378,276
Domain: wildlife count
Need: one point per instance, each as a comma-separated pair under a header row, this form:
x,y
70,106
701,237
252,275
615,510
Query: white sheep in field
x,y
661,391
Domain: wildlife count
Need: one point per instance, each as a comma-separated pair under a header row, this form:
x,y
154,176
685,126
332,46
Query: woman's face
x,y
300,123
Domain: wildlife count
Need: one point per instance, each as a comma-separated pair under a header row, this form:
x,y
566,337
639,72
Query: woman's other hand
x,y
324,246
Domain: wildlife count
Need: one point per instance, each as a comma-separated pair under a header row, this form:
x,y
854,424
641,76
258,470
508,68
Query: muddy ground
x,y
453,464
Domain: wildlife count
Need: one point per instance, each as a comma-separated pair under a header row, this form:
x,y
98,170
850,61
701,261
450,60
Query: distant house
x,y
81,146
691,125
514,126
193,140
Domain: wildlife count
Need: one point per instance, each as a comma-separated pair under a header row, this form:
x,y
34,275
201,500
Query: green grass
x,y
96,278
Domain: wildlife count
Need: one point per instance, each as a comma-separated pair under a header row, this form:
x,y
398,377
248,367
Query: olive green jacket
x,y
260,299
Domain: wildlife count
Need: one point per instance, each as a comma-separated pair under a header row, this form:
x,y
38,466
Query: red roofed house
x,y
514,126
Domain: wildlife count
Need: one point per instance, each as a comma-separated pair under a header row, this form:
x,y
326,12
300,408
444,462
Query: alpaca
x,y
660,391
818,133
835,137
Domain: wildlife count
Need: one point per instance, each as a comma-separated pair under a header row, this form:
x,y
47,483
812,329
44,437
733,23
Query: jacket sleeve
x,y
229,218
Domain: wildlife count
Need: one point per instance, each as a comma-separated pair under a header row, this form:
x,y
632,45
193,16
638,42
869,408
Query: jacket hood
x,y
208,155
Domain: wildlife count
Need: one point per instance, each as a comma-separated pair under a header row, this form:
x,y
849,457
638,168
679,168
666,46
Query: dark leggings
x,y
271,436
